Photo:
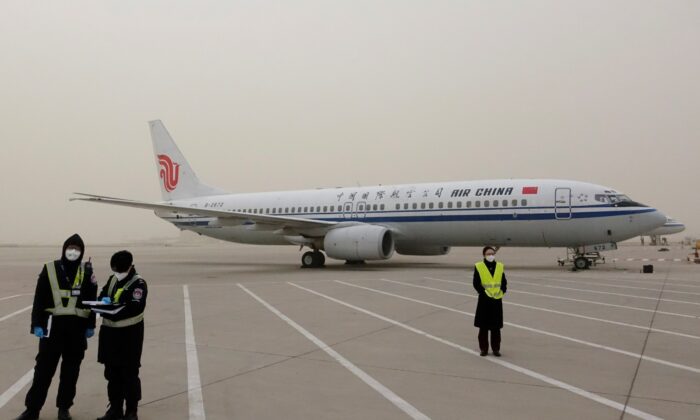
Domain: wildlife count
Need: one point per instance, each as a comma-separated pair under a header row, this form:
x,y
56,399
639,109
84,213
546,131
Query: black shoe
x,y
484,353
64,414
28,415
131,415
112,414
497,353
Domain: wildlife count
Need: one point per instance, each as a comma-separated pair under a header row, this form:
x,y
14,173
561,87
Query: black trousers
x,y
50,352
495,339
123,385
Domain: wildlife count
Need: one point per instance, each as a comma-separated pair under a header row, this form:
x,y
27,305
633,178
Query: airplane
x,y
356,224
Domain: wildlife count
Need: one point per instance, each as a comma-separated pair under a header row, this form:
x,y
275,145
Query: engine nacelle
x,y
404,249
357,243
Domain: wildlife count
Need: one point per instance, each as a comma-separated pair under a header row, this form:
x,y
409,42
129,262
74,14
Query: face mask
x,y
490,258
72,254
121,276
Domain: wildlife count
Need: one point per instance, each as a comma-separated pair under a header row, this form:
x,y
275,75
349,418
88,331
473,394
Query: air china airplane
x,y
371,223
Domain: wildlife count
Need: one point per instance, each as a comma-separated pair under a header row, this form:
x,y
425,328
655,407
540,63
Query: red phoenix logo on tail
x,y
169,172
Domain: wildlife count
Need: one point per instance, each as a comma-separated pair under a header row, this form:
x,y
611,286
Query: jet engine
x,y
358,243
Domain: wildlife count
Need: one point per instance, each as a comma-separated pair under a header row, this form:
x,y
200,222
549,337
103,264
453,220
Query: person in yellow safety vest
x,y
63,325
121,337
490,282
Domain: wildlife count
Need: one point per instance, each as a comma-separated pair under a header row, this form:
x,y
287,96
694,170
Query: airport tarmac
x,y
241,332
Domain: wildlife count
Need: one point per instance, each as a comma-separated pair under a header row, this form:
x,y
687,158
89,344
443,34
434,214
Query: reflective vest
x,y
59,294
115,299
491,284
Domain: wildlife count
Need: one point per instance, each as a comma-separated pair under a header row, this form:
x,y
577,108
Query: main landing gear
x,y
313,259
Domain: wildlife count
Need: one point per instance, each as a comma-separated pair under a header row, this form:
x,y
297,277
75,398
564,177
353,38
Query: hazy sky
x,y
297,94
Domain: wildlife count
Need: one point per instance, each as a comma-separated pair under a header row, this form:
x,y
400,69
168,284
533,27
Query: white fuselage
x,y
522,212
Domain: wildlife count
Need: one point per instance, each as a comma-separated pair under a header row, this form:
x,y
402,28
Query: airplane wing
x,y
286,225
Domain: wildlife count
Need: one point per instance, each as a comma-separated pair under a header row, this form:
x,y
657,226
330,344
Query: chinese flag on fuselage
x,y
530,190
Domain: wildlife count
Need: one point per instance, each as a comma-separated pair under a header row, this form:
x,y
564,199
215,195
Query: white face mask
x,y
490,258
121,276
72,254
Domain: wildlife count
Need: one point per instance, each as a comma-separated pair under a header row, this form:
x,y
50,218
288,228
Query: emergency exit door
x,y
562,203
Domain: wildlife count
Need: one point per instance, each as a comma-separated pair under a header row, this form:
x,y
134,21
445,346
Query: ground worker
x,y
490,283
121,337
63,325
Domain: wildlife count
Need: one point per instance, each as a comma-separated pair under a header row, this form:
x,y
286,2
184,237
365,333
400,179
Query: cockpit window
x,y
618,200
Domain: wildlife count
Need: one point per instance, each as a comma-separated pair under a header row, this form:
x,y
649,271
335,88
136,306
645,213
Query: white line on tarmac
x,y
16,387
535,330
656,282
608,293
12,297
539,308
6,317
591,302
373,383
603,284
557,383
194,384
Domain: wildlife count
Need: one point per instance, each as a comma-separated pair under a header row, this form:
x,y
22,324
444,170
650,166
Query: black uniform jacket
x,y
123,346
64,327
489,311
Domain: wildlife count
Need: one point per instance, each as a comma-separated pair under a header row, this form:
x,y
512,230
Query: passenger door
x,y
562,203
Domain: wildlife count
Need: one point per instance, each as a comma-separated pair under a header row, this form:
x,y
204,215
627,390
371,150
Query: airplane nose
x,y
657,219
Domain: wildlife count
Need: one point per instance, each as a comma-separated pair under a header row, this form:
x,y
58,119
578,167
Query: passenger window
x,y
415,206
422,205
523,202
486,203
325,209
347,208
459,204
514,203
495,203
381,207
430,205
361,207
398,206
318,209
374,207
505,203
405,206
306,209
449,204
286,209
477,203
267,211
469,204
440,204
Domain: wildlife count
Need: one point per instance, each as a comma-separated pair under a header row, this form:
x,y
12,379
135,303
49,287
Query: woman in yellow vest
x,y
490,283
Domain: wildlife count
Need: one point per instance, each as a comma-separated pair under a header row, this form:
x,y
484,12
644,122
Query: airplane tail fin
x,y
177,179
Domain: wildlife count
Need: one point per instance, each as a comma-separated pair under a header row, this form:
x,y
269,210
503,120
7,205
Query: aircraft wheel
x,y
308,259
313,259
581,263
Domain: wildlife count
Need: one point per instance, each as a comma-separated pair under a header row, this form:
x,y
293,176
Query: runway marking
x,y
608,293
6,317
399,402
605,283
12,297
16,387
523,327
655,282
539,308
194,383
555,382
592,302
